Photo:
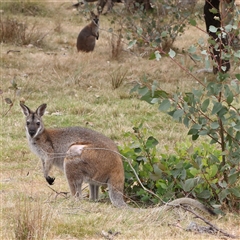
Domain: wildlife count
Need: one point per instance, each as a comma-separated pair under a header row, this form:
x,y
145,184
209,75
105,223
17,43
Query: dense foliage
x,y
211,110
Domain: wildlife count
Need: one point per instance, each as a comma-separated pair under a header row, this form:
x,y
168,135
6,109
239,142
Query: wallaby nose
x,y
32,132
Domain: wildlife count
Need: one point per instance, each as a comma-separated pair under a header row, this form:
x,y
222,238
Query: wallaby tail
x,y
116,197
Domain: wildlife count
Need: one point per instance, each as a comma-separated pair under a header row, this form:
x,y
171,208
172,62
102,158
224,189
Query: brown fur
x,y
101,166
87,37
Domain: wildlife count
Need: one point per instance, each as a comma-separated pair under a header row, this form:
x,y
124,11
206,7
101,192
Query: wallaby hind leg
x,y
72,169
75,181
94,191
75,187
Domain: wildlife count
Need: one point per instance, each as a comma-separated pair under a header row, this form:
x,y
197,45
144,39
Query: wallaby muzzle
x,y
31,132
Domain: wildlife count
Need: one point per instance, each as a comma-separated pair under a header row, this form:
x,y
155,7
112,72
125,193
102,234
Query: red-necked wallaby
x,y
87,37
85,156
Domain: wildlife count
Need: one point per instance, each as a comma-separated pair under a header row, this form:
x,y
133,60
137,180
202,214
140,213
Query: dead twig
x,y
209,223
43,36
64,194
12,51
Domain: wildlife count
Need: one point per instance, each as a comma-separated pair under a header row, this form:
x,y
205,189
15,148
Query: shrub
x,y
191,172
20,33
211,110
150,30
117,77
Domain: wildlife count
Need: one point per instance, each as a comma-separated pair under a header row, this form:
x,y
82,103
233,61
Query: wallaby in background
x,y
85,156
87,37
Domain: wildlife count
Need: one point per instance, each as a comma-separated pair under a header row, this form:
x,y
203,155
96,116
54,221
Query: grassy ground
x,y
78,90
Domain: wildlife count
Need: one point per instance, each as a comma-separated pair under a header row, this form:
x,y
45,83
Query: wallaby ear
x,y
26,111
41,109
93,15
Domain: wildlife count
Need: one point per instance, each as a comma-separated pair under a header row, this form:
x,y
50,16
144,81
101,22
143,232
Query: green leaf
x,y
237,126
160,94
161,185
171,53
157,55
237,76
195,137
222,112
233,178
194,171
135,88
183,174
205,105
139,31
205,194
141,158
223,194
193,22
213,10
155,100
157,170
192,131
237,136
237,54
203,132
235,191
213,29
212,171
192,49
230,98
151,142
131,44
186,121
137,150
222,184
196,57
188,184
143,91
197,126
152,56
216,107
178,114
165,105
214,125
223,68
164,34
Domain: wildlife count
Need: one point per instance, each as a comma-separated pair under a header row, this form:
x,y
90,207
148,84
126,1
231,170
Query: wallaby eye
x,y
38,123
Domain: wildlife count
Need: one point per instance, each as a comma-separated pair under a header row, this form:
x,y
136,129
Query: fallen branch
x,y
209,223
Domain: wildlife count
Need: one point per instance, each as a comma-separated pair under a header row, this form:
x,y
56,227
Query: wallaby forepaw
x,y
50,180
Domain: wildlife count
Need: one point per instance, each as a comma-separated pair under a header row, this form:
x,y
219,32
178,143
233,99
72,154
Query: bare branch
x,y
209,223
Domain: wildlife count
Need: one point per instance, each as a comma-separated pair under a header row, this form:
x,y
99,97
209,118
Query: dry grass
x,y
78,90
